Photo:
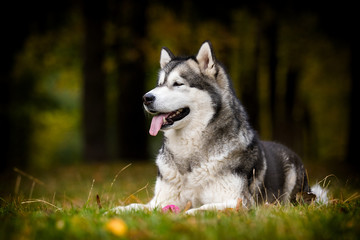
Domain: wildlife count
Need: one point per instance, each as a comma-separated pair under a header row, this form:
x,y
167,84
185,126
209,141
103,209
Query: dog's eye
x,y
177,84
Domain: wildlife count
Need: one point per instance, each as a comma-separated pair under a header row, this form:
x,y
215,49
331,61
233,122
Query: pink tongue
x,y
156,123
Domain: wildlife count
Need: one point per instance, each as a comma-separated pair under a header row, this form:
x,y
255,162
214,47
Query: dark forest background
x,y
73,74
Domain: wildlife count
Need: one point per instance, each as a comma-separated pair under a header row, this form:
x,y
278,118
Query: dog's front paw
x,y
193,211
131,207
119,209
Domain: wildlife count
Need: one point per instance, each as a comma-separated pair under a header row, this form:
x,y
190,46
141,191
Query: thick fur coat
x,y
210,155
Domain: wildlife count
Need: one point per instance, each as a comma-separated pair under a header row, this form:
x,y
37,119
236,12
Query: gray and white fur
x,y
210,155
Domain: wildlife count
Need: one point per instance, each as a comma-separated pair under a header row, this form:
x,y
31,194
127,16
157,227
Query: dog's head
x,y
188,90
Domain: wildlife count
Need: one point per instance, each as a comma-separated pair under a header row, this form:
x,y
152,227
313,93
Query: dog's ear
x,y
165,57
206,59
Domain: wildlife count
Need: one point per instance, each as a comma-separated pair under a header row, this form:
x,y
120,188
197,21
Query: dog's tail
x,y
321,194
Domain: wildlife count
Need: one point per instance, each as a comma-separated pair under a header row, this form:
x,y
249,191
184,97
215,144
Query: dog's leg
x,y
214,207
132,207
165,194
153,204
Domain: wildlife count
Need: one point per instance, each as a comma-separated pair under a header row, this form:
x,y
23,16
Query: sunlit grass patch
x,y
72,202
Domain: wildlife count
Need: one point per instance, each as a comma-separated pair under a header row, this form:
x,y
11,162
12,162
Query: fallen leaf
x,y
117,227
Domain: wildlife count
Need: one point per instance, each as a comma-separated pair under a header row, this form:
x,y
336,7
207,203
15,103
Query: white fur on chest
x,y
205,183
183,144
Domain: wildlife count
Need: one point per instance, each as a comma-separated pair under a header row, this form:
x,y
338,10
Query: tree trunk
x,y
15,123
272,40
132,133
250,88
354,117
5,122
94,101
291,133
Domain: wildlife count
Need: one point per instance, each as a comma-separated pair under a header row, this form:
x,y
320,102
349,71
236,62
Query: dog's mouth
x,y
163,120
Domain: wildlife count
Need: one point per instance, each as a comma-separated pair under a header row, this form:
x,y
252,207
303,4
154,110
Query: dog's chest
x,y
187,158
185,144
186,164
186,151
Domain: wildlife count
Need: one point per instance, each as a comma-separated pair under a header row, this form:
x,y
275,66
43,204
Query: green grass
x,y
63,205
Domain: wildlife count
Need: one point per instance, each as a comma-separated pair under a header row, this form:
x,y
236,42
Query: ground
x,y
71,202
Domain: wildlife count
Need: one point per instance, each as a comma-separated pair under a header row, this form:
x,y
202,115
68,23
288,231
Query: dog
x,y
210,155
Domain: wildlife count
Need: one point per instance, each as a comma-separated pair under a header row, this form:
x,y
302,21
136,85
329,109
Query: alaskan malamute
x,y
210,155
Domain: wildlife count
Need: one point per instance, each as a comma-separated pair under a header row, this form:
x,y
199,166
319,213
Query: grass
x,y
63,204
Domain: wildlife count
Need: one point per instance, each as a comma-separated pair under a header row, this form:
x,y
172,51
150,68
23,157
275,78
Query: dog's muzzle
x,y
148,99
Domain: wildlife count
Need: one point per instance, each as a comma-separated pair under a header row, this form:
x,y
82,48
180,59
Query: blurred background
x,y
73,74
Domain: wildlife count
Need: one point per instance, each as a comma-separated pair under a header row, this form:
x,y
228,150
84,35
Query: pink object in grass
x,y
171,208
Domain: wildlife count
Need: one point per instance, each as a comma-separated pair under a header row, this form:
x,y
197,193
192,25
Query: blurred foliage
x,y
50,67
324,83
52,63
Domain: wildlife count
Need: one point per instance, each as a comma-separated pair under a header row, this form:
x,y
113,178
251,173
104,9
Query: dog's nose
x,y
148,99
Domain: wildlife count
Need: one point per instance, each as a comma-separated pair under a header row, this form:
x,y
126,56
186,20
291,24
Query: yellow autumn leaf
x,y
116,226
